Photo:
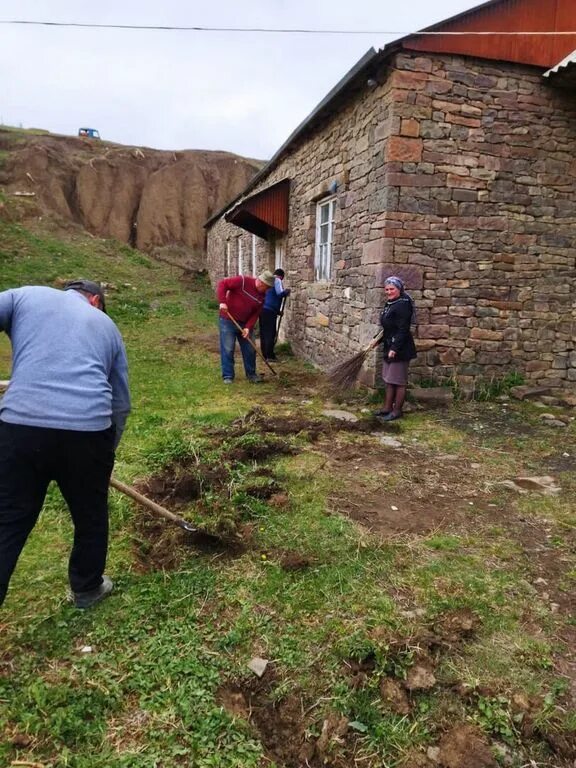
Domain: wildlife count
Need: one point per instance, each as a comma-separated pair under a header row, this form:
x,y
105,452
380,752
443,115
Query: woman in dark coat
x,y
399,347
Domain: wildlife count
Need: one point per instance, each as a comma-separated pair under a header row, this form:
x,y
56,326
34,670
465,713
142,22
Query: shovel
x,y
151,505
249,340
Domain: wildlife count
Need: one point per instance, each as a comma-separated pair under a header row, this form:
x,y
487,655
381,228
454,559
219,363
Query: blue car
x,y
88,133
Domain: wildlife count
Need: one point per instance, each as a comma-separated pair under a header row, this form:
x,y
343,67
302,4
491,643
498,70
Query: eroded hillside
x,y
146,197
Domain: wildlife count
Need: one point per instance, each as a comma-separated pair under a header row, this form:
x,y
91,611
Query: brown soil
x,y
465,747
292,561
285,724
6,662
426,495
310,429
207,340
145,197
205,490
489,420
160,546
252,440
406,491
282,725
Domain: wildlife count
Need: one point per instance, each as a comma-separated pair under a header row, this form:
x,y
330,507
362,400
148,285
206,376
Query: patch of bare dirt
x,y
392,491
465,746
205,340
394,696
6,661
293,561
489,420
284,725
280,425
453,627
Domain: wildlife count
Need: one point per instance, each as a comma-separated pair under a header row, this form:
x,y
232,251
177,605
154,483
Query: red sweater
x,y
243,300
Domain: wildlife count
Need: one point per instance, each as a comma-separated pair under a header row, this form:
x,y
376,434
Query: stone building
x,y
450,161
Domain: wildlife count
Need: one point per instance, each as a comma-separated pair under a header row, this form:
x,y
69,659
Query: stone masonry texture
x,y
459,175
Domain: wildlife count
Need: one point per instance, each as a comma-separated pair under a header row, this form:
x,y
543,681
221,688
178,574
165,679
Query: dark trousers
x,y
268,333
81,464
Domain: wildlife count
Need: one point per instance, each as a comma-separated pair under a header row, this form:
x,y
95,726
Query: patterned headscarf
x,y
393,280
399,283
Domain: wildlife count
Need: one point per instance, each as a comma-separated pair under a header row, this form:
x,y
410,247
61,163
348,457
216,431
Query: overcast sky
x,y
242,93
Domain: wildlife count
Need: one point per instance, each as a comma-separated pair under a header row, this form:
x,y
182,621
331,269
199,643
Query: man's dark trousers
x,y
81,464
268,333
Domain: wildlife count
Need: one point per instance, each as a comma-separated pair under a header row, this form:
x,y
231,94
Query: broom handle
x,y
375,341
249,340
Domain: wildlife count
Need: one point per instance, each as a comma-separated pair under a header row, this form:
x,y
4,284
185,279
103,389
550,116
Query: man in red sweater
x,y
240,298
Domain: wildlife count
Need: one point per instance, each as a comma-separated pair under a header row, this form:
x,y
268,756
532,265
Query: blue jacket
x,y
274,296
69,367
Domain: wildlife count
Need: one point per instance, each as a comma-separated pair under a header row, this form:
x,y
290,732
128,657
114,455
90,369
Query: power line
x,y
277,30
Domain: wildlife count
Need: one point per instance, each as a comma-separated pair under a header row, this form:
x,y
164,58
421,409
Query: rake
x,y
344,376
249,340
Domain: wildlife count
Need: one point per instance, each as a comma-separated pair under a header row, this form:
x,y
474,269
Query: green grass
x,y
25,131
149,693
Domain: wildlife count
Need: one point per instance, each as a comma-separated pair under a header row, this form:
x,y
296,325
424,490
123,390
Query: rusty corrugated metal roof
x,y
265,213
494,16
507,16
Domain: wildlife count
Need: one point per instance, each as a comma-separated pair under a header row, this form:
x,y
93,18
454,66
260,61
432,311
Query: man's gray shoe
x,y
88,599
255,380
227,381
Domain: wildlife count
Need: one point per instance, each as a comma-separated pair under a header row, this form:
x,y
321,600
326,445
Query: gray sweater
x,y
69,367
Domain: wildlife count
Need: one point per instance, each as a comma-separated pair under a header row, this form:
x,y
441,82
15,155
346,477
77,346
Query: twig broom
x,y
344,376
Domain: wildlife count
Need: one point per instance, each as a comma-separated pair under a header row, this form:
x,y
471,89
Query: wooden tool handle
x,y
149,504
249,340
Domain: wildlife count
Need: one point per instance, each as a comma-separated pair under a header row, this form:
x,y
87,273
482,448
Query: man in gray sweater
x,y
61,419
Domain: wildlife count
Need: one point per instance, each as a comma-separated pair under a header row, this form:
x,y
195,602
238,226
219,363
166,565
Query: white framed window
x,y
254,270
278,254
323,265
227,258
240,257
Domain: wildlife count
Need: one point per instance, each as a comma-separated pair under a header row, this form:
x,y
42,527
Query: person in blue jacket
x,y
269,315
61,419
398,344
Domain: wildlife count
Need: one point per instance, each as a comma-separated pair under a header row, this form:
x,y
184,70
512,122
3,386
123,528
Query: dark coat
x,y
395,320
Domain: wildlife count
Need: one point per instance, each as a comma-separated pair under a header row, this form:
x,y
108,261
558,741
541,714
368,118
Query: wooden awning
x,y
264,214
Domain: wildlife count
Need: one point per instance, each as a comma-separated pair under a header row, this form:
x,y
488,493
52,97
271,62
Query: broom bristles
x,y
344,376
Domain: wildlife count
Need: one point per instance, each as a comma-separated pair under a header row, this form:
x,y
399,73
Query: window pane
x,y
325,214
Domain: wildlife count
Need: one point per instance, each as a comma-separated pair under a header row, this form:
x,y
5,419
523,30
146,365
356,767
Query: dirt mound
x,y
148,198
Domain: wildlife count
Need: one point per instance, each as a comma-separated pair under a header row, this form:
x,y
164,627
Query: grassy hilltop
x,y
413,612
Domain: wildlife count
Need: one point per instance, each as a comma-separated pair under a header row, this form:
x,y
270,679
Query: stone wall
x,y
459,175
